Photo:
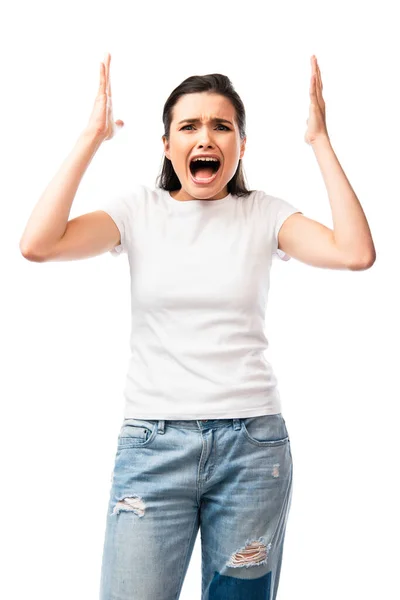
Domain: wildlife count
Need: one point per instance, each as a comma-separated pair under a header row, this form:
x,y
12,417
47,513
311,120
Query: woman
x,y
203,443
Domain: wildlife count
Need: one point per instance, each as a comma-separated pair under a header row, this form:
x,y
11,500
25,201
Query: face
x,y
206,136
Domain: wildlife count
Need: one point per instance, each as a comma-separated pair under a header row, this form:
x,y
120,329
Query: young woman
x,y
203,443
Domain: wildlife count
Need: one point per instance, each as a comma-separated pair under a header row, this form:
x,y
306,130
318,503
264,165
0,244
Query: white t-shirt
x,y
200,272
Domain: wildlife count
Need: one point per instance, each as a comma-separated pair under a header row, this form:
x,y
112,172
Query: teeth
x,y
206,159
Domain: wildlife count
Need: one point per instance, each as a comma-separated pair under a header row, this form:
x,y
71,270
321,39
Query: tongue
x,y
204,173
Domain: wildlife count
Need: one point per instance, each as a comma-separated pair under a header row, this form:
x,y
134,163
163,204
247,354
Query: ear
x,y
166,146
242,147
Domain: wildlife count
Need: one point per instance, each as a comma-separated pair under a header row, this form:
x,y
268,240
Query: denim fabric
x,y
230,478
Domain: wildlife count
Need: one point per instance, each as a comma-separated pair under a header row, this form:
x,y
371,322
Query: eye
x,y
184,127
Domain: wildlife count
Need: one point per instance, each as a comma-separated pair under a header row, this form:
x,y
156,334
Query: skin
x,y
316,122
186,140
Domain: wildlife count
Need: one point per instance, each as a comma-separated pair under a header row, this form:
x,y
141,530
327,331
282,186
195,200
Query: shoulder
x,y
273,205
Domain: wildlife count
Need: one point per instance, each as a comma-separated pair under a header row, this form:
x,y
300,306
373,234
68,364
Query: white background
x,y
65,325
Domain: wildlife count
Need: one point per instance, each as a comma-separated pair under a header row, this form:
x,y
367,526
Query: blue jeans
x,y
232,478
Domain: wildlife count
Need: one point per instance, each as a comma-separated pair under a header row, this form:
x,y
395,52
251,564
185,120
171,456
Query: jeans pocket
x,y
265,430
137,433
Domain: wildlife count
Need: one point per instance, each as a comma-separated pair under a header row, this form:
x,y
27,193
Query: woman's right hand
x,y
101,123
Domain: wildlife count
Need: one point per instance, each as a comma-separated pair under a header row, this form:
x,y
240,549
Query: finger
x,y
318,83
319,76
106,66
313,76
104,78
318,73
315,68
313,86
107,59
109,77
319,91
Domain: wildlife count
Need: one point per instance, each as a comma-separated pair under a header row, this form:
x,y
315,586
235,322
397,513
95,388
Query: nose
x,y
205,147
205,138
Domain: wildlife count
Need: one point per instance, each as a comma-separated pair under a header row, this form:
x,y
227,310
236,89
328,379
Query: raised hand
x,y
316,122
101,122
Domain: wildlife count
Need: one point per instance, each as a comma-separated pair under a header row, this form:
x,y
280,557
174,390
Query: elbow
x,y
30,254
369,260
362,264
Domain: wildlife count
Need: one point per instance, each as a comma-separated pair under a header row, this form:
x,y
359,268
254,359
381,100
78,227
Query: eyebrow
x,y
197,120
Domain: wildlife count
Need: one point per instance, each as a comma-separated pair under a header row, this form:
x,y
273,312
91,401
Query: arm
x,y
349,245
48,221
351,232
48,233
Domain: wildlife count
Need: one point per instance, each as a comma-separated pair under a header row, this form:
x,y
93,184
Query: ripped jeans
x,y
232,478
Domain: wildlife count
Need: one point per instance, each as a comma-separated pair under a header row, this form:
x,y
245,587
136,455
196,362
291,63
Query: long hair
x,y
214,83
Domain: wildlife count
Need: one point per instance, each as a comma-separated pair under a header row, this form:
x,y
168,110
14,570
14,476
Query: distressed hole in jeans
x,y
252,554
130,503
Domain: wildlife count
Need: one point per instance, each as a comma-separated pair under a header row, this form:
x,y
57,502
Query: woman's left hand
x,y
316,123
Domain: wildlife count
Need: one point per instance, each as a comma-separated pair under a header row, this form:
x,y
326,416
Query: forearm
x,y
351,230
49,218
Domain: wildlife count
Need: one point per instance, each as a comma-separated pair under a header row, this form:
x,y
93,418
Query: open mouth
x,y
204,171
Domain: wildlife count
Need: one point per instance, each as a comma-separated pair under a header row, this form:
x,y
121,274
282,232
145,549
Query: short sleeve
x,y
279,211
121,209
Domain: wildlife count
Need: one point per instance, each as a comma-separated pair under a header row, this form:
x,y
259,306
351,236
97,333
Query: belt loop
x,y
236,424
161,426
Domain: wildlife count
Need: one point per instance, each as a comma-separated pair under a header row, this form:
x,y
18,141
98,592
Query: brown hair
x,y
214,83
